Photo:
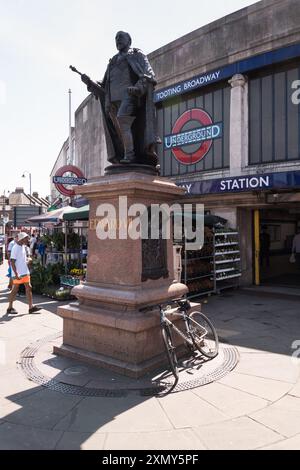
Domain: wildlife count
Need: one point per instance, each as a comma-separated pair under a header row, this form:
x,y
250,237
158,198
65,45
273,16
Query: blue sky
x,y
38,41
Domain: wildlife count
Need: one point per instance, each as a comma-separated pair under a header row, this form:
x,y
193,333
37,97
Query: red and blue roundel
x,y
194,131
61,182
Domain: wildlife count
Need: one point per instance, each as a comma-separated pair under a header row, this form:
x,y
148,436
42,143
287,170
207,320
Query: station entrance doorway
x,y
276,228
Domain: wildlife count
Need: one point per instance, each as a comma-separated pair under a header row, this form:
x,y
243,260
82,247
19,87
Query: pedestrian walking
x,y
20,273
32,242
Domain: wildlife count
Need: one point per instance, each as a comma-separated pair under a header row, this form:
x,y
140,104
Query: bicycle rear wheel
x,y
170,350
203,334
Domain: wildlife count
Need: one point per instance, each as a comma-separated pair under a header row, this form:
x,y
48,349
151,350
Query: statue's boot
x,y
125,123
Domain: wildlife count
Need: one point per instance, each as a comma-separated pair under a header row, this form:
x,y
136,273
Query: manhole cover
x,y
76,370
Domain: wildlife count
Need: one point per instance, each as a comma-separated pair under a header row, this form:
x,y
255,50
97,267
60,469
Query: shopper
x,y
42,251
20,273
296,247
32,243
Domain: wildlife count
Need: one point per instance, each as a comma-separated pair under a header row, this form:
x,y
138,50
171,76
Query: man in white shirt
x,y
20,273
296,247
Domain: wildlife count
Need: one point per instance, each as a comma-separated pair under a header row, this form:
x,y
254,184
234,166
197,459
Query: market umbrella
x,y
55,216
79,213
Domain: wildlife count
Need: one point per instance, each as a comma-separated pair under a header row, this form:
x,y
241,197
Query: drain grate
x,y
31,371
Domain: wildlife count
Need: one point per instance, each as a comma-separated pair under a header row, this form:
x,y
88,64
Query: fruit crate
x,y
68,280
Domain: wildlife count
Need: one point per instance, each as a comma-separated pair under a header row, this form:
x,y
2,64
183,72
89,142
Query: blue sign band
x,y
284,180
194,136
242,66
69,180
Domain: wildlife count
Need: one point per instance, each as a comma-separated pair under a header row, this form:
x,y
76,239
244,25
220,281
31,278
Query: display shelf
x,y
224,261
213,264
225,234
226,244
226,270
228,277
199,277
222,253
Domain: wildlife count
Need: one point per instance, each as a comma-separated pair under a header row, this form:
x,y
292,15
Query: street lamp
x,y
23,176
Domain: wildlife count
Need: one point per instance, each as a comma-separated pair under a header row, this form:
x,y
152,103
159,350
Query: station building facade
x,y
228,115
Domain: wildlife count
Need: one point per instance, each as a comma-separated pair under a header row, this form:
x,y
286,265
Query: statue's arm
x,y
145,73
93,87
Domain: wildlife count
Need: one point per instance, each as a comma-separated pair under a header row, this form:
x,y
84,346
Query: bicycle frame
x,y
181,313
194,338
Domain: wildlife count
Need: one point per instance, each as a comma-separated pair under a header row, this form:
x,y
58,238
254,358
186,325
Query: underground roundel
x,y
192,136
63,179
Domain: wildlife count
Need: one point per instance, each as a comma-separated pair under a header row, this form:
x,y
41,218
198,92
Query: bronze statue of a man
x,y
126,96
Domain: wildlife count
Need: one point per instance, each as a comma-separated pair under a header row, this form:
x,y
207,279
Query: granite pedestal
x,y
106,326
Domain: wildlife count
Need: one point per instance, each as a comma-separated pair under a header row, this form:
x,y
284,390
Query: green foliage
x,y
43,276
58,239
46,239
73,241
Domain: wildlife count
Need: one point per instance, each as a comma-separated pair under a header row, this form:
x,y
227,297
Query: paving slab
x,y
80,441
282,416
238,434
285,444
295,391
230,401
43,409
271,366
15,385
186,409
18,437
268,389
176,439
125,414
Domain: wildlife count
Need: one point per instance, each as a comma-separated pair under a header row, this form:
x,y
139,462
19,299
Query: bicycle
x,y
199,332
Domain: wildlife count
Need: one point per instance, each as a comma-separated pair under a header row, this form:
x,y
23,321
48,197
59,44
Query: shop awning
x,y
80,213
55,216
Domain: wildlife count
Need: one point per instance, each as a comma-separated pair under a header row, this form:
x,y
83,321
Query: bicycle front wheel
x,y
203,334
170,350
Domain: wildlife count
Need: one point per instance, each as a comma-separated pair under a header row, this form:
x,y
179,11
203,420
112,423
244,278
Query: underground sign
x,y
61,181
192,136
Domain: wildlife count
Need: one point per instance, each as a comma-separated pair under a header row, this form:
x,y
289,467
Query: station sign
x,y
274,181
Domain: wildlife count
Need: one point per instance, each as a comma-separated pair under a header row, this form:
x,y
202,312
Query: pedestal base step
x,y
130,370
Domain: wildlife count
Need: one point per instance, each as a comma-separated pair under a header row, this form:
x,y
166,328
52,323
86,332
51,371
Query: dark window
x,y
273,118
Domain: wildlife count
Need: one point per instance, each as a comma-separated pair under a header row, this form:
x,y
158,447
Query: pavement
x,y
254,406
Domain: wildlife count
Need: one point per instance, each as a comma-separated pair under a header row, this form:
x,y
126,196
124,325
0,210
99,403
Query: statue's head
x,y
123,41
